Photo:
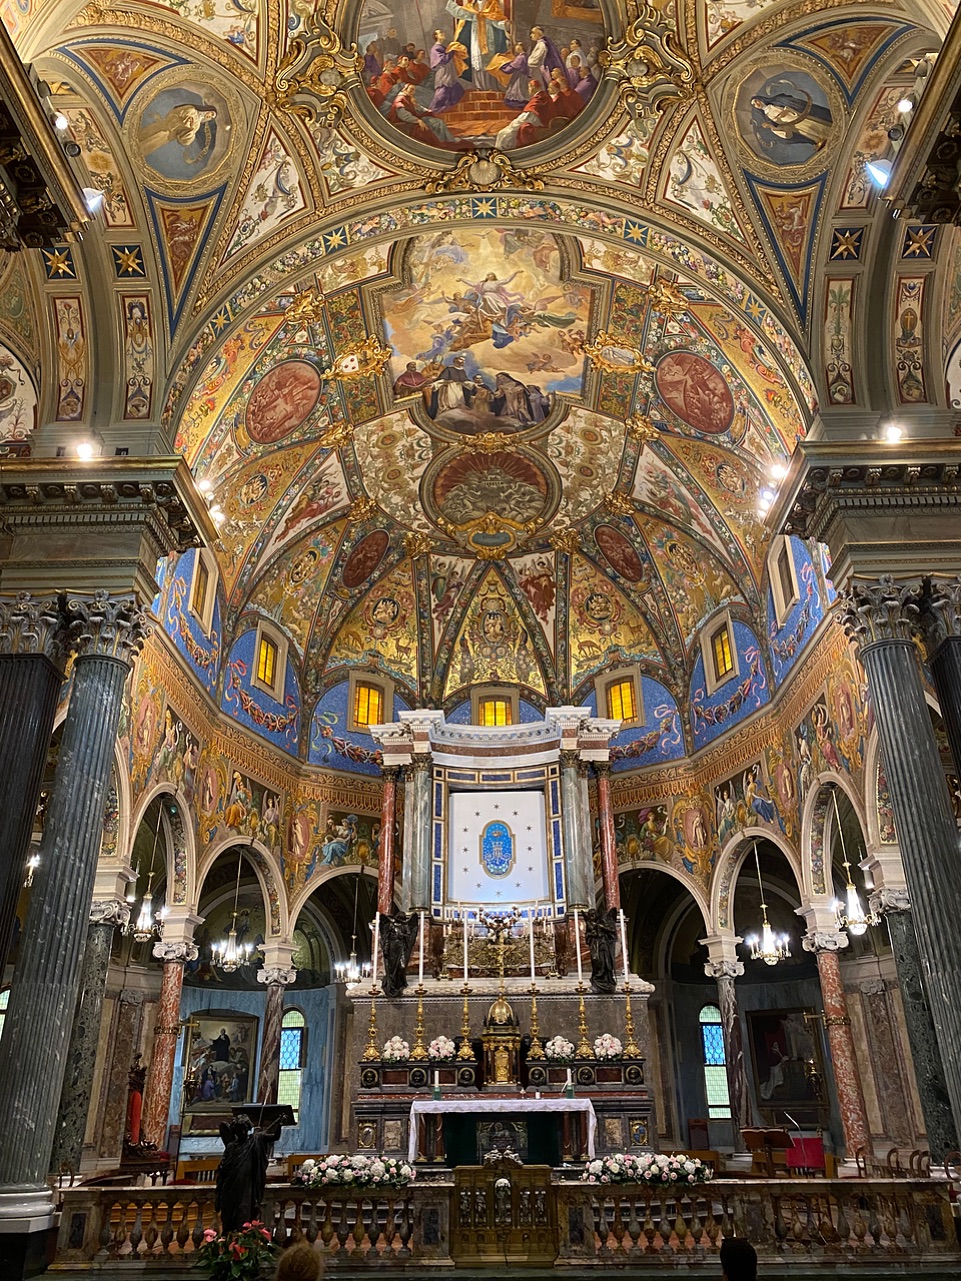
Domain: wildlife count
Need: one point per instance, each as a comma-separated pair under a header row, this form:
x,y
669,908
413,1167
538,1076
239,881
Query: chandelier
x,y
148,924
769,947
349,972
850,913
229,955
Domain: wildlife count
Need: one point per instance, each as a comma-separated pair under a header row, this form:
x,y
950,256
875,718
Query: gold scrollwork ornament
x,y
647,62
485,171
317,65
358,360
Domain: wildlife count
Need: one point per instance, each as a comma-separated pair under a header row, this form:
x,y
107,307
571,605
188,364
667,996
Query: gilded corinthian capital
x,y
880,611
33,625
107,626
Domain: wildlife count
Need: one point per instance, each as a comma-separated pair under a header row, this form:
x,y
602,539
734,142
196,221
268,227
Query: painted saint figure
x,y
181,124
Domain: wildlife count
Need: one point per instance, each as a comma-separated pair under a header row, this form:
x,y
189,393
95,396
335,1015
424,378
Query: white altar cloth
x,y
481,1107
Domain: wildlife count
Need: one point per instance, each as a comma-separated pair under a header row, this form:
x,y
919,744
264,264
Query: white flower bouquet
x,y
559,1050
607,1047
395,1051
355,1171
441,1050
647,1167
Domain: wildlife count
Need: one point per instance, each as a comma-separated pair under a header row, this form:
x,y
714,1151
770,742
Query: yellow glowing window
x,y
621,703
201,583
495,711
721,649
266,661
368,705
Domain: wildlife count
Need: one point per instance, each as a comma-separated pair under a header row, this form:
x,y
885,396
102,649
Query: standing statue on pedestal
x,y
398,933
600,928
242,1173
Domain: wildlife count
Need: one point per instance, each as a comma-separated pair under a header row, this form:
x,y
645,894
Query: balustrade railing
x,y
820,1221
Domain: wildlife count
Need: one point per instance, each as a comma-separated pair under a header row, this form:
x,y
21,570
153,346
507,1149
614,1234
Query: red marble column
x,y
276,979
385,862
609,877
166,1033
857,1136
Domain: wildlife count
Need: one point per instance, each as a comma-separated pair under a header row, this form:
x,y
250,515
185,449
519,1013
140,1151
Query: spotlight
x,y
204,486
61,122
879,171
778,471
893,433
93,199
907,103
71,149
84,449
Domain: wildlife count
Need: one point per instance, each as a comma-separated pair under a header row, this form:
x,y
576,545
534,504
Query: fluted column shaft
x,y
925,1055
385,858
578,886
33,1049
945,664
737,1087
612,885
160,1075
276,978
847,1076
927,835
84,1035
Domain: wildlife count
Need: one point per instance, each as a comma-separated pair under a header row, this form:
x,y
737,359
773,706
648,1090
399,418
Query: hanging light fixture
x,y
851,914
147,924
769,947
229,955
349,972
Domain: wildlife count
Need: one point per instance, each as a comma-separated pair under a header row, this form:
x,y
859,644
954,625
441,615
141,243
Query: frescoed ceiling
x,y
530,311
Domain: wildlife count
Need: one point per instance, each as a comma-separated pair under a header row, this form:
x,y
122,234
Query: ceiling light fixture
x,y
349,972
769,947
148,924
228,954
879,171
85,449
893,433
851,914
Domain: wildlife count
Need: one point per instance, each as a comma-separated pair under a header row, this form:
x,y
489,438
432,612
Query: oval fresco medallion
x,y
696,391
282,401
364,559
619,553
786,113
459,75
181,128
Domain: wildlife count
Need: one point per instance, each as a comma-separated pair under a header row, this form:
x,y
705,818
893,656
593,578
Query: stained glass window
x,y
368,704
293,1036
621,703
721,649
495,711
715,1071
266,661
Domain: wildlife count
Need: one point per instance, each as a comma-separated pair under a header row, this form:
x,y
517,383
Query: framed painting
x,y
788,1065
219,1066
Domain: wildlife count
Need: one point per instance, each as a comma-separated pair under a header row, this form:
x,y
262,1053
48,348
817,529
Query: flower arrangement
x,y
607,1047
441,1050
559,1050
647,1167
355,1171
246,1255
395,1050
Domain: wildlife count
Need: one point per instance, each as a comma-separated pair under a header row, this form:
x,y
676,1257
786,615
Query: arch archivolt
x,y
320,878
729,864
817,814
266,870
689,884
180,851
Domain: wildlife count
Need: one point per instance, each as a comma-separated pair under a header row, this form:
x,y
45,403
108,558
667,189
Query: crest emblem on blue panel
x,y
497,848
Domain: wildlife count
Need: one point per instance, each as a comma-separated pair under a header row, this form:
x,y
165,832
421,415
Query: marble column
x,y
579,892
925,1054
160,1075
385,857
854,1117
32,634
724,973
940,605
419,843
33,1050
612,885
105,916
882,618
276,977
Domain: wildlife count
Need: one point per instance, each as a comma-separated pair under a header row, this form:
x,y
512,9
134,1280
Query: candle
x,y
373,970
623,921
420,960
569,1081
436,1080
466,937
577,946
530,922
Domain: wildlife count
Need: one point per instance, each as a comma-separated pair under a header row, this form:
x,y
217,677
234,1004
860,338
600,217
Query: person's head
x,y
440,36
738,1260
300,1262
537,33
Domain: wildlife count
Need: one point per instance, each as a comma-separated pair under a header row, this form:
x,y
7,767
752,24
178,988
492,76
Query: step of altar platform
x,y
479,111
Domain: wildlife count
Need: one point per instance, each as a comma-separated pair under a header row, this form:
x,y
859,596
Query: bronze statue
x,y
398,933
600,929
242,1173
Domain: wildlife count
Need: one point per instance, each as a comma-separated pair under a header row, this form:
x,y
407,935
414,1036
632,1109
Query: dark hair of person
x,y
299,1262
739,1260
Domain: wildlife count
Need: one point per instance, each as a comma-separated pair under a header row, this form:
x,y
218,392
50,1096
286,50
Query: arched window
x,y
293,1045
715,1071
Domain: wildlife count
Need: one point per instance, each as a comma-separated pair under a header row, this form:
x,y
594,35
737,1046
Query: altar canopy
x,y
497,848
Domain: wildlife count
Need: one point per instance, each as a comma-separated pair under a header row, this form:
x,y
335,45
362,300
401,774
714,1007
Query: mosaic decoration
x,y
908,339
138,353
731,702
17,316
334,745
722,17
121,67
695,183
787,640
236,23
785,115
838,339
277,721
791,216
181,228
102,171
274,195
493,644
381,632
202,651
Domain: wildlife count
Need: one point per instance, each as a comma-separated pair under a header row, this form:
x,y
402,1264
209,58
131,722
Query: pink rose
x,y
210,1235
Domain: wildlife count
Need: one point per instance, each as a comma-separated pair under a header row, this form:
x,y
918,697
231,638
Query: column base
x,y
28,1232
29,1208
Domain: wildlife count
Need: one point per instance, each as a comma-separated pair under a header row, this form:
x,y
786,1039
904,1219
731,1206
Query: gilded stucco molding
x,y
647,63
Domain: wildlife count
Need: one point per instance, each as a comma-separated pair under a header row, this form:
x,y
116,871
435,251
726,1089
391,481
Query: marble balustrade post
x,y
385,858
609,873
922,1039
579,893
883,618
724,973
105,916
107,631
33,633
420,836
160,1073
825,944
276,977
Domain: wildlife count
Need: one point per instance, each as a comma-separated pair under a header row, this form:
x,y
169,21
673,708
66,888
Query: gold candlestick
x,y
584,1047
631,1048
419,1052
371,1051
465,1051
537,1050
